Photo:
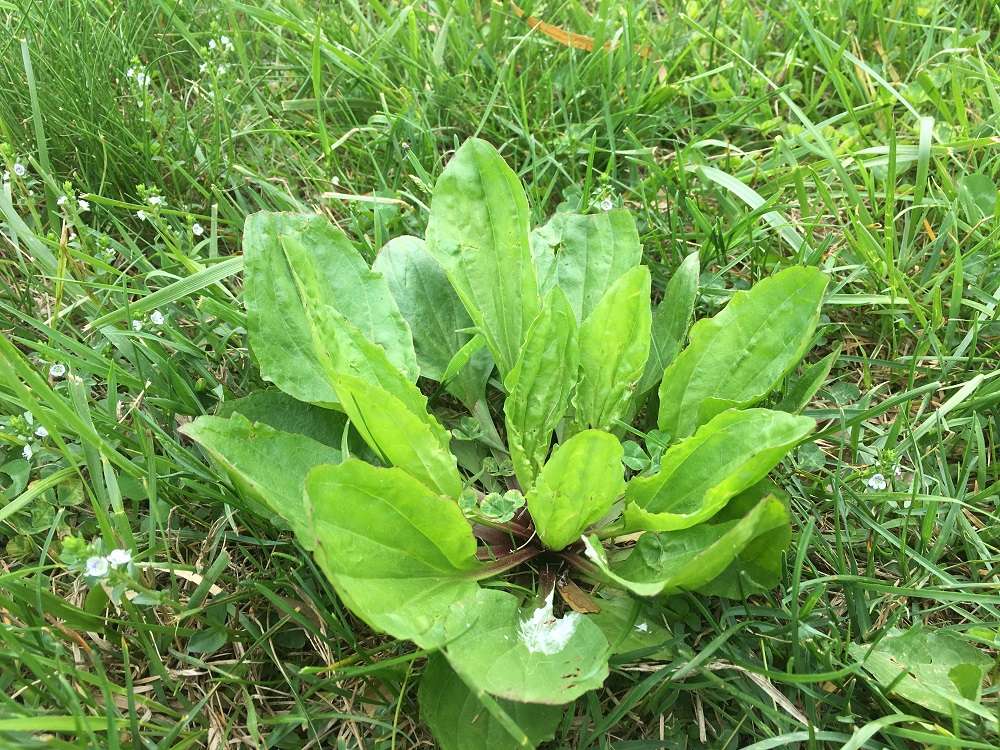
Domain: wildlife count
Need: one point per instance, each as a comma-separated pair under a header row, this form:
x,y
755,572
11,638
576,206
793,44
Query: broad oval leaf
x,y
540,384
435,314
400,556
576,487
277,409
688,559
530,657
460,720
699,475
591,251
270,465
614,346
735,358
671,319
279,329
478,231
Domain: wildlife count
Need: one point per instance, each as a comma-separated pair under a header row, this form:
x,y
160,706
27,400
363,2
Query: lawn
x,y
858,137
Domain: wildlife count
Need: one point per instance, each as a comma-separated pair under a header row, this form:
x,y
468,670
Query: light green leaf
x,y
738,356
576,487
671,319
530,657
269,465
614,346
804,387
280,334
630,625
540,384
282,412
757,567
435,315
592,252
459,720
935,669
478,232
690,558
699,475
399,555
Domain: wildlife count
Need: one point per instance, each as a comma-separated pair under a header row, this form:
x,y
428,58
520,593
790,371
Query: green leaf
x,y
935,669
280,334
577,487
399,555
614,346
757,567
530,657
738,356
540,384
435,315
671,320
630,625
699,475
282,412
459,720
804,387
593,251
690,558
478,232
268,464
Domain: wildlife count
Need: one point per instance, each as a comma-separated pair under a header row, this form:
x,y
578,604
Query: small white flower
x,y
130,73
97,567
197,229
142,78
898,471
203,67
6,176
20,170
212,44
877,482
222,69
226,43
137,325
84,205
61,200
140,215
119,557
156,318
155,200
41,432
27,452
57,370
607,204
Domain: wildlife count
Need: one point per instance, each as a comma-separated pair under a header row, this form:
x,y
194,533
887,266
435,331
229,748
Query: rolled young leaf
x,y
614,346
399,555
435,314
526,656
576,487
539,386
699,475
478,232
737,357
459,720
280,336
269,464
688,559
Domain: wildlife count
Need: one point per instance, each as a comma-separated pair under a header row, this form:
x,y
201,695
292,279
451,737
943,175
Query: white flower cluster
x,y
99,566
141,79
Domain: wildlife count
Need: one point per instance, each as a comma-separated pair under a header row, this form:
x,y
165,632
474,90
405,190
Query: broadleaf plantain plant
x,y
457,540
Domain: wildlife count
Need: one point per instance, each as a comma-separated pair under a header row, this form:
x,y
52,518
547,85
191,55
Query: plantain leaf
x,y
699,475
614,346
530,657
539,386
282,412
399,555
577,487
280,334
671,319
478,232
630,625
735,358
804,387
268,464
435,314
459,720
685,560
592,252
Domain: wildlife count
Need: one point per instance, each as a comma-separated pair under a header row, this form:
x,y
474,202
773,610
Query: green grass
x,y
864,138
